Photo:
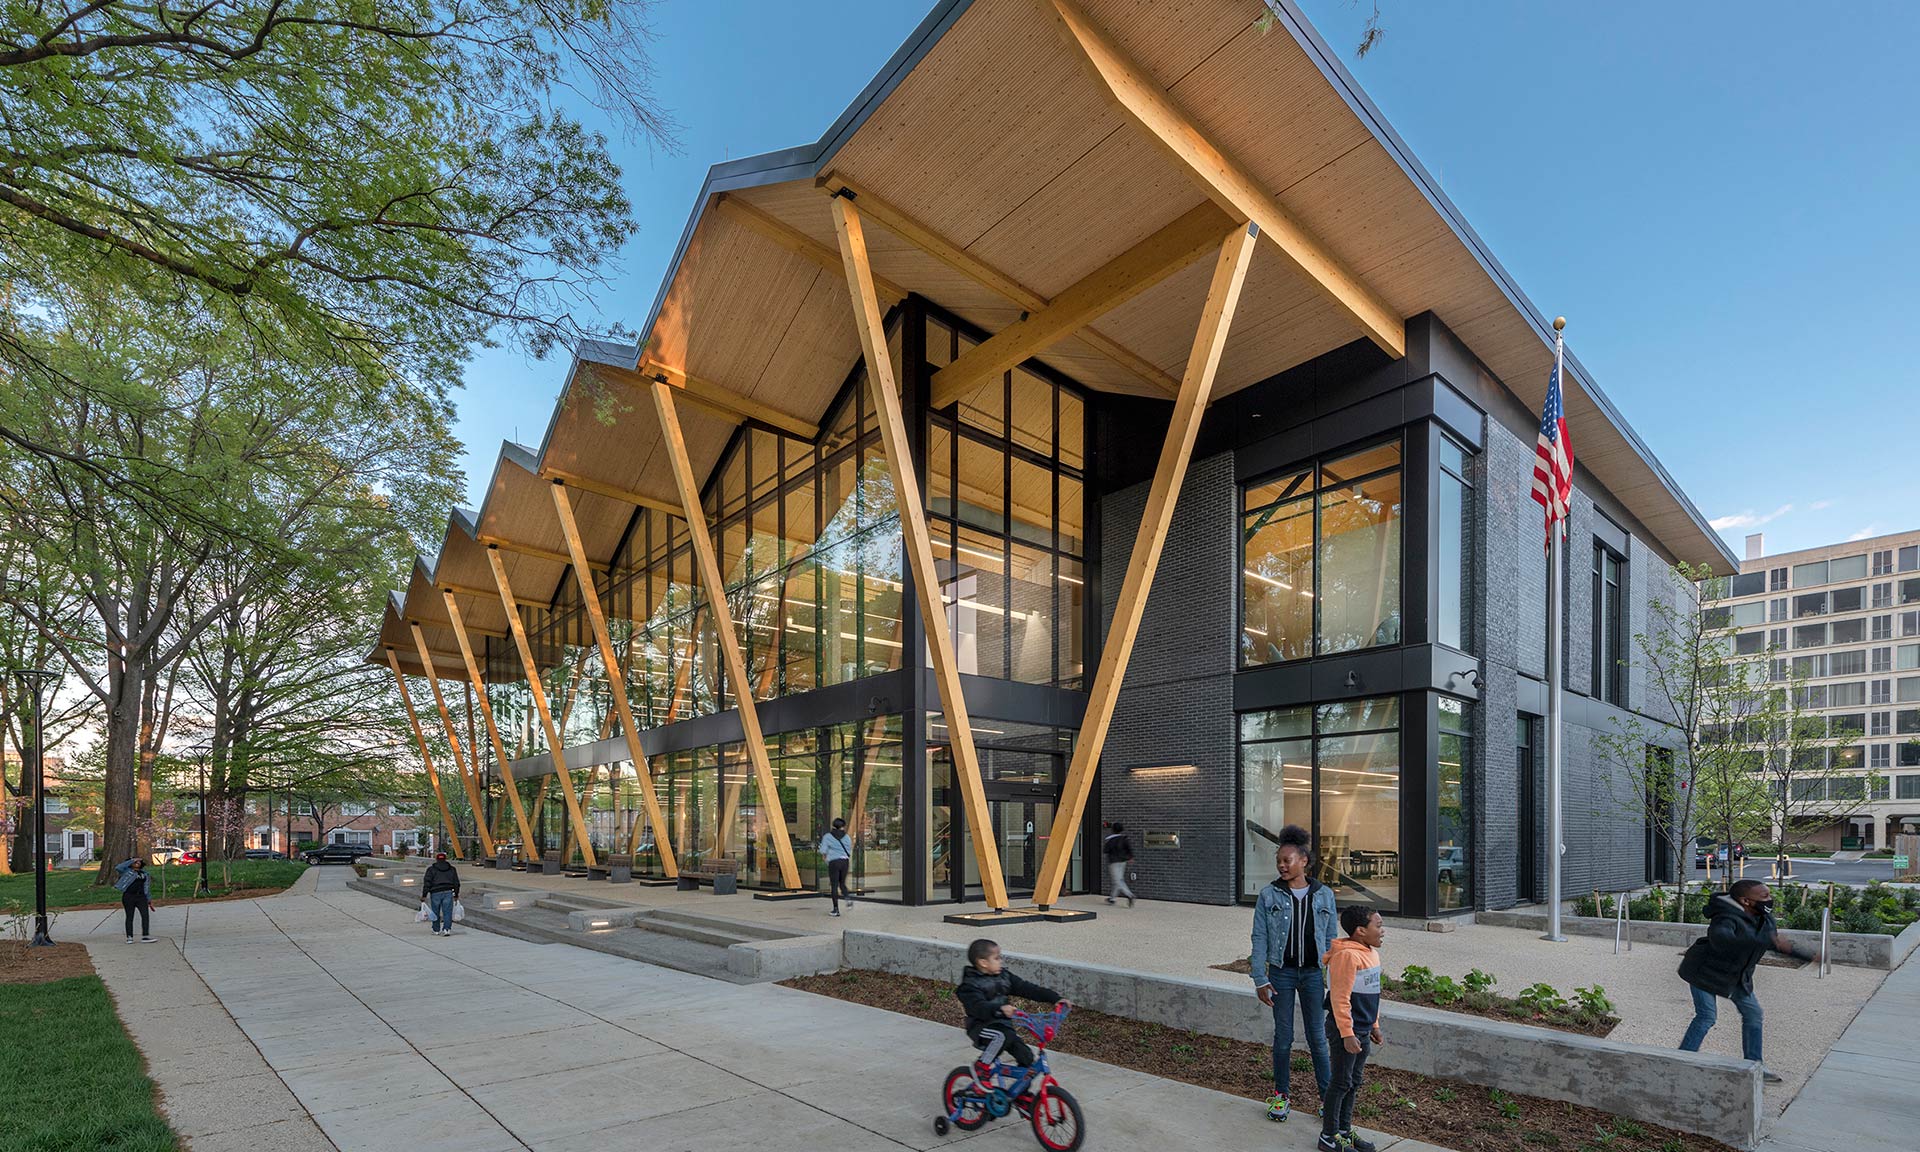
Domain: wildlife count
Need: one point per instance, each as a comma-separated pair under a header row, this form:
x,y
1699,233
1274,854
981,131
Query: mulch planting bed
x,y
1449,1113
235,894
1484,1004
22,964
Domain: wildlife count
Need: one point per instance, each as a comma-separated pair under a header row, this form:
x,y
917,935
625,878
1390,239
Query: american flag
x,y
1553,459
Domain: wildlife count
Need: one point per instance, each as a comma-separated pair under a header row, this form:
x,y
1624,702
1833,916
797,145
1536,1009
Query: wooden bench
x,y
723,874
550,863
614,870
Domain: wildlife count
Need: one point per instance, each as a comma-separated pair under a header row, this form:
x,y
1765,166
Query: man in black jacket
x,y
1118,851
442,886
984,991
1740,931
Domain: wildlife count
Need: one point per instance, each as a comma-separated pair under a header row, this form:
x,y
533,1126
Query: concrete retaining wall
x,y
1715,1096
1854,949
786,958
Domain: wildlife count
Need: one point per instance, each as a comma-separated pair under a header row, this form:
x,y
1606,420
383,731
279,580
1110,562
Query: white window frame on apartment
x,y
352,808
360,836
414,839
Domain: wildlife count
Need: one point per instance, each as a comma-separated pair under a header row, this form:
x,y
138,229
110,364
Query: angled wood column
x,y
469,773
507,783
716,594
539,693
616,679
1196,385
1228,182
678,695
884,387
426,757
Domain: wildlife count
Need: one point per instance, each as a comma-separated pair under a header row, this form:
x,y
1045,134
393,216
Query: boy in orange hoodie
x,y
1353,1022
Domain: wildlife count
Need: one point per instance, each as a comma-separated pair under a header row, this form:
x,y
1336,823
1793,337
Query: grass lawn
x,y
70,1079
74,888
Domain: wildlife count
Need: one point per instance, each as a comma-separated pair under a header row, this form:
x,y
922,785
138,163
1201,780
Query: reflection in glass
x,y
1453,866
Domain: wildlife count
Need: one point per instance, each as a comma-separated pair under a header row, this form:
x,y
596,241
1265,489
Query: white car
x,y
165,854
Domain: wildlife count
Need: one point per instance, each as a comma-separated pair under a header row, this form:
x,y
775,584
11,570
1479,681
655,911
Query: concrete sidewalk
x,y
1867,1090
390,1038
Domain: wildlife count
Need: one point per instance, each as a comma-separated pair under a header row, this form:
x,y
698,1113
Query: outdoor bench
x,y
615,870
723,874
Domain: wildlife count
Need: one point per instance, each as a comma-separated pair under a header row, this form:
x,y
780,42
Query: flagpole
x,y
1556,601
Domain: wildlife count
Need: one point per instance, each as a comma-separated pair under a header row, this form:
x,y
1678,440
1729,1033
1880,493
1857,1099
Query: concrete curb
x,y
1715,1096
1854,949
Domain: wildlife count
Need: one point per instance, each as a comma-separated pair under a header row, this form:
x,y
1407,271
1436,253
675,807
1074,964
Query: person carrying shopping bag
x,y
442,886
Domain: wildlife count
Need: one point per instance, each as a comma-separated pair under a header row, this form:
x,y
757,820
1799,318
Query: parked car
x,y
165,854
265,854
1720,853
338,853
1452,864
190,856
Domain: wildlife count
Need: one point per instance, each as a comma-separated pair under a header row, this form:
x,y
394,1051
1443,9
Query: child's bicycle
x,y
972,1101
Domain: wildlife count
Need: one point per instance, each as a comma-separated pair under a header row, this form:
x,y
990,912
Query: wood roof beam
x,y
447,625
796,241
1105,288
610,491
487,594
1229,183
986,275
537,553
716,398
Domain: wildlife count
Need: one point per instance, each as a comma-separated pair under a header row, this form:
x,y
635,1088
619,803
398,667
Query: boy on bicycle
x,y
985,990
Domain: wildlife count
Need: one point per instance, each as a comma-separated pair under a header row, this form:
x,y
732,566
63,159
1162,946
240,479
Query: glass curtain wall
x,y
1453,866
1335,770
1006,511
1321,558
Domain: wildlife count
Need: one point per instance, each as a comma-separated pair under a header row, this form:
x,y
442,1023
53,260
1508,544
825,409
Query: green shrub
x,y
1415,978
1542,999
1593,1001
1478,981
1447,990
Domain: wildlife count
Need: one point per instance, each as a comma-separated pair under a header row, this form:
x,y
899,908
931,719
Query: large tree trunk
x,y
125,678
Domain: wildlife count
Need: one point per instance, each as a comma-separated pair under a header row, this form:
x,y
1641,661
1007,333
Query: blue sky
x,y
1720,199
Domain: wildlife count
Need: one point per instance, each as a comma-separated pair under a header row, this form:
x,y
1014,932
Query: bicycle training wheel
x,y
962,1103
1057,1121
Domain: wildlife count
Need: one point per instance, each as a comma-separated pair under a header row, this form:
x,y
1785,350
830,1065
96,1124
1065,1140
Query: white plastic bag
x,y
423,915
459,911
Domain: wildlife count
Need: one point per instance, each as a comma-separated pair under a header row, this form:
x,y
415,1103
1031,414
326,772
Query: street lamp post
x,y
205,844
34,681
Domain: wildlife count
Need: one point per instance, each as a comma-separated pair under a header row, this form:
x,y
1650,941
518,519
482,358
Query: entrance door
x,y
1527,843
1021,824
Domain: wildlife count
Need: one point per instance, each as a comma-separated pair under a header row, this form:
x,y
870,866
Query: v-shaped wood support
x,y
426,757
507,784
469,771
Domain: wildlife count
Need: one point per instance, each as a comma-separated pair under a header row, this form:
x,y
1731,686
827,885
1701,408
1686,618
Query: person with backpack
x,y
442,887
1118,852
130,877
836,848
1740,930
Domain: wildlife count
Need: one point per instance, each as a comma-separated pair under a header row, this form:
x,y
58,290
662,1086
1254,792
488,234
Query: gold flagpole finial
x,y
1559,323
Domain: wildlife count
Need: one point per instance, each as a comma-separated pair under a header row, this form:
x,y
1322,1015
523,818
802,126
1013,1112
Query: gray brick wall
x,y
1176,701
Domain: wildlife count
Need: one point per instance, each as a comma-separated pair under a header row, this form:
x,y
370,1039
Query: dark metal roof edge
x,y
1362,106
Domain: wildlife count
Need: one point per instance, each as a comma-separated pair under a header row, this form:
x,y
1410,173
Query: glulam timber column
x,y
716,595
1196,385
507,783
539,693
884,387
616,679
426,757
469,771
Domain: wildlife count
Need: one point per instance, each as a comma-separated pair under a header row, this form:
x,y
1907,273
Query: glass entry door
x,y
1021,824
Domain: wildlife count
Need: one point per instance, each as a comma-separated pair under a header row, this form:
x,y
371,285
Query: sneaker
x,y
1769,1075
1356,1143
1279,1107
833,911
1334,1143
129,939
148,939
1129,901
1109,899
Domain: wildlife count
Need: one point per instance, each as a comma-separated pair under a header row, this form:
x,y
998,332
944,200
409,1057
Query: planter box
x,y
1854,949
1714,1096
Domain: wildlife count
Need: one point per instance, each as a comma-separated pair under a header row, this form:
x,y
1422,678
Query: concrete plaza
x,y
326,1018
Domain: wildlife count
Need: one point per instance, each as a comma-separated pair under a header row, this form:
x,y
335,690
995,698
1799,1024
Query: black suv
x,y
338,853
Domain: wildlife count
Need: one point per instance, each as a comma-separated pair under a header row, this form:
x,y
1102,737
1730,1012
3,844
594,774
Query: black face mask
x,y
1763,908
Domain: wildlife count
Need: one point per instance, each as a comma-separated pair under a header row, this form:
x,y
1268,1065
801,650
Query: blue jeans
x,y
1705,1012
1310,985
441,905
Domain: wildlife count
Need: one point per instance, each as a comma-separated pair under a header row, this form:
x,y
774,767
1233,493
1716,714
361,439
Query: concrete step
x,y
741,928
698,934
568,902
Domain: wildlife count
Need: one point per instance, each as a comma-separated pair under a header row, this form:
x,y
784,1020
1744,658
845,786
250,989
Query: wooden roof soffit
x,y
715,398
447,625
536,553
610,491
794,240
986,275
1105,288
488,594
1225,180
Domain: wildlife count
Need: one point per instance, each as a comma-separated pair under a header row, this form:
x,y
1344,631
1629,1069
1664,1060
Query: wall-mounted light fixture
x,y
1152,770
1470,675
1353,679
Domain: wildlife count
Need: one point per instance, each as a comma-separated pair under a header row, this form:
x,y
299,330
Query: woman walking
x,y
131,878
836,848
442,885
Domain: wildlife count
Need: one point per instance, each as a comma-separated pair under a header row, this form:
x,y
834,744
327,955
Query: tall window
x,y
1453,866
1452,565
1333,769
1609,624
1005,508
1320,568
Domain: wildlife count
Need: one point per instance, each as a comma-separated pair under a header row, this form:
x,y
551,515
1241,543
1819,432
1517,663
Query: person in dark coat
x,y
985,991
1740,930
130,877
1118,851
442,886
